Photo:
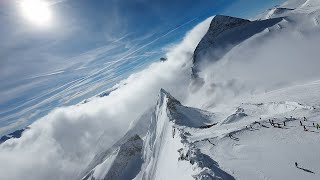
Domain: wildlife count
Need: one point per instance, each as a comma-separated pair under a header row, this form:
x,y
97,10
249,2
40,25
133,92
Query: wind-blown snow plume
x,y
274,58
61,144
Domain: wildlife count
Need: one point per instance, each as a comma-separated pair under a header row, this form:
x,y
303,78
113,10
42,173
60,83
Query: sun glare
x,y
36,11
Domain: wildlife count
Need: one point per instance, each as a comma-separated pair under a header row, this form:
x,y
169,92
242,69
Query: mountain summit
x,y
224,33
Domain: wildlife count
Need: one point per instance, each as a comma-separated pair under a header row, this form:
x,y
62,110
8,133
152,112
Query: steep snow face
x,y
160,151
224,33
270,138
168,154
123,163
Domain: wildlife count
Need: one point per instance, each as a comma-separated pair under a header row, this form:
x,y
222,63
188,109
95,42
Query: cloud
x,y
61,144
62,81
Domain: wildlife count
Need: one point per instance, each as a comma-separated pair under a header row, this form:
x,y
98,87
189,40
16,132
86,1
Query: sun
x,y
36,11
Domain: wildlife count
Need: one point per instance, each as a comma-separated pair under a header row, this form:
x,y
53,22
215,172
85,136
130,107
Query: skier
x,y
305,129
300,123
313,125
296,164
318,126
174,132
284,123
304,118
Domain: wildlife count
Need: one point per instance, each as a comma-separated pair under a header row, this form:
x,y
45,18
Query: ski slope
x,y
249,150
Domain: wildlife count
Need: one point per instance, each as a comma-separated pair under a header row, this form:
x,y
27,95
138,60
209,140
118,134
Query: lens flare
x,y
36,11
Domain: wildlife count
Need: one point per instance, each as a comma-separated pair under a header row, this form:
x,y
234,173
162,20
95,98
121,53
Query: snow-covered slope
x,y
262,139
168,153
258,149
275,12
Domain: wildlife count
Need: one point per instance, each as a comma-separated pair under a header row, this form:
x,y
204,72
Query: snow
x,y
161,155
275,13
264,151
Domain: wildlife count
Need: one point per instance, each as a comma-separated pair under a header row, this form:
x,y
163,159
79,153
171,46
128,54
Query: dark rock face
x,y
15,134
218,25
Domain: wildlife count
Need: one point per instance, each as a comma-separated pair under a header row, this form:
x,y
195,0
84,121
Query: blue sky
x,y
90,46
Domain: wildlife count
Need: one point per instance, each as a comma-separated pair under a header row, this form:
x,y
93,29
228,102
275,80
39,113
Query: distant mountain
x,y
15,134
133,137
122,163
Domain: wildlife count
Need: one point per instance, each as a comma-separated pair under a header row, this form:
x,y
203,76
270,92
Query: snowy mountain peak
x,y
219,24
168,152
182,115
164,94
224,33
226,21
171,101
